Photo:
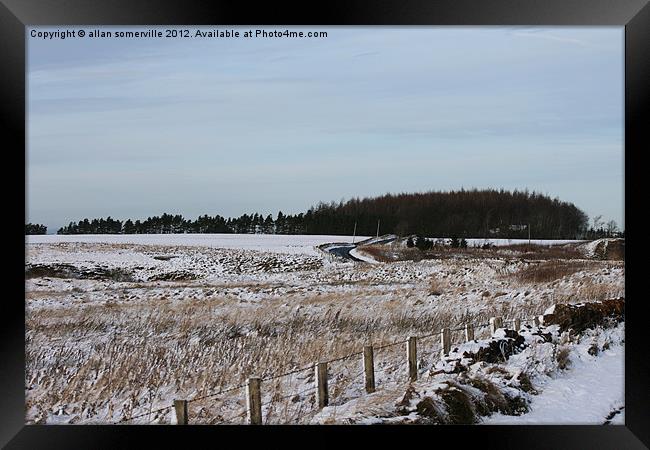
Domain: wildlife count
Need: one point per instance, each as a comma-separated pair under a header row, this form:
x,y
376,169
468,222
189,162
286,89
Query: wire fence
x,y
292,399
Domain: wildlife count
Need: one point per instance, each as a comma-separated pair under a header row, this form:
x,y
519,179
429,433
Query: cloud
x,y
364,110
359,55
551,37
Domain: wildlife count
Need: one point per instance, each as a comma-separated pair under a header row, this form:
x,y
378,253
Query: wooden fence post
x,y
254,400
469,332
412,356
321,384
180,408
517,323
369,368
495,324
445,341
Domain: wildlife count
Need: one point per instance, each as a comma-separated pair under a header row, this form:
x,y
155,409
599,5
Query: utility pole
x,y
354,234
378,227
487,226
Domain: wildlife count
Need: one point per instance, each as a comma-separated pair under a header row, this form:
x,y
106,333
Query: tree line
x,y
463,213
35,228
168,224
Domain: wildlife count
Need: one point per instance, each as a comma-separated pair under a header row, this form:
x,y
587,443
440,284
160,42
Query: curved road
x,y
343,250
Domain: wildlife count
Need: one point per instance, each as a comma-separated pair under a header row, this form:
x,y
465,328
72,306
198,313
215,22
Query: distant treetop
x,y
35,228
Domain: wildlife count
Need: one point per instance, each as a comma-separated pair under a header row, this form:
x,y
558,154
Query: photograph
x,y
313,225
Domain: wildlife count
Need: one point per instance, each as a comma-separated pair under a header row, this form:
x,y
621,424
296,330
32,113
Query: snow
x,y
264,242
277,243
585,394
591,391
281,273
590,248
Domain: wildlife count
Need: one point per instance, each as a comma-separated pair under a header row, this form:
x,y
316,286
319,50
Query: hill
x,y
469,213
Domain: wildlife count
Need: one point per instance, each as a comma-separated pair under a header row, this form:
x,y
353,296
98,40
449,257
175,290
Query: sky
x,y
131,128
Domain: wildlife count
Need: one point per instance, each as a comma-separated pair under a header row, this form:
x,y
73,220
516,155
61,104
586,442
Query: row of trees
x,y
168,223
463,213
35,228
423,243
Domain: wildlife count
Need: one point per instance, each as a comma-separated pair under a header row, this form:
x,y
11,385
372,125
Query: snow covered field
x,y
280,243
121,325
263,242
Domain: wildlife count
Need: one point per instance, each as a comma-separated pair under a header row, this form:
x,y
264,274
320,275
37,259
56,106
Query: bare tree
x,y
598,222
612,227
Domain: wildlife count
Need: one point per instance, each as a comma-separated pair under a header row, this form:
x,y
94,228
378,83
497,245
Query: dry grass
x,y
562,357
389,253
146,352
436,287
540,252
548,271
377,252
593,291
168,349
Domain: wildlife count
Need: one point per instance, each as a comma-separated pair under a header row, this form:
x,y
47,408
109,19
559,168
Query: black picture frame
x,y
16,15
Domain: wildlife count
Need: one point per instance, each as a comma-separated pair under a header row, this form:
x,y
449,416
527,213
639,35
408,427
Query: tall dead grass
x,y
540,252
547,271
436,286
103,364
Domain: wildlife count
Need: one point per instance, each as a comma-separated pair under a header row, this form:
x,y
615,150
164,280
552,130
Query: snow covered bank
x,y
607,248
544,377
587,393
